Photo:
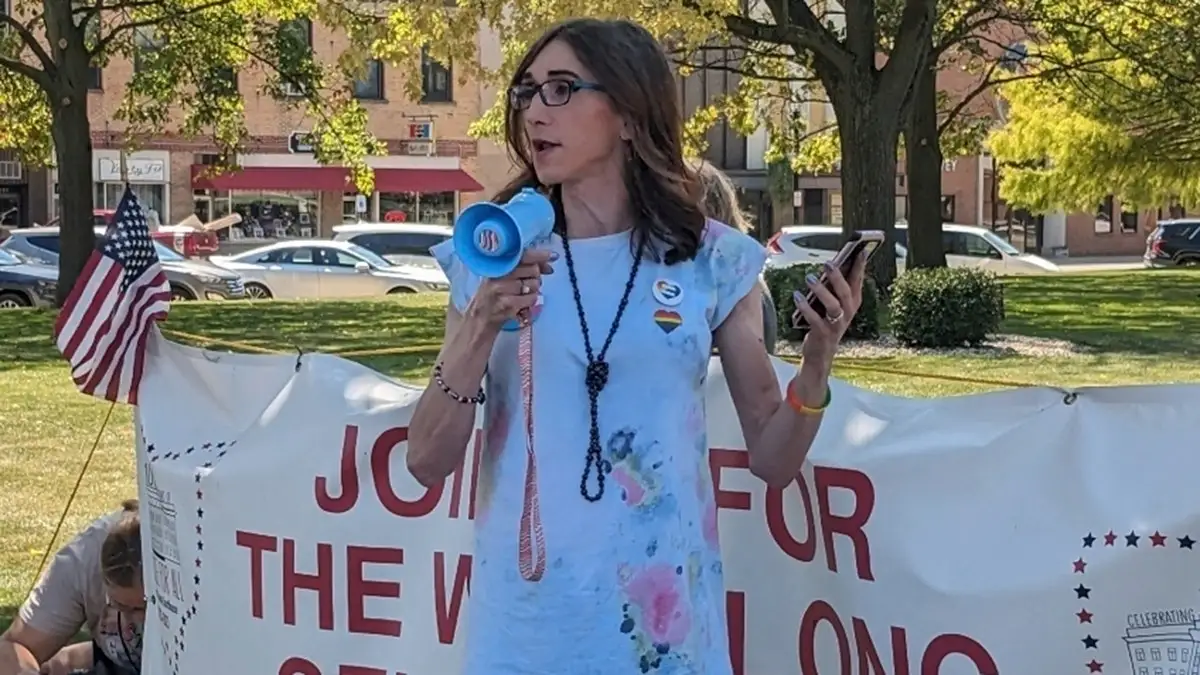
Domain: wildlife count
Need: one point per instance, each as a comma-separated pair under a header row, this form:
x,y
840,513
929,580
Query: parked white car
x,y
399,243
306,269
965,245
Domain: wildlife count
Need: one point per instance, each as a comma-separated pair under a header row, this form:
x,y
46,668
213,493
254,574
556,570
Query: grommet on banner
x,y
1069,397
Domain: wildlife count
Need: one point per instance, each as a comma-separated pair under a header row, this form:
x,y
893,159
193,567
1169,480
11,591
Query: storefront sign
x,y
300,142
421,131
108,170
419,148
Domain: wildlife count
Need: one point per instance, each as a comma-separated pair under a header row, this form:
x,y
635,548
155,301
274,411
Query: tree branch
x,y
29,40
727,68
103,43
37,75
916,25
800,38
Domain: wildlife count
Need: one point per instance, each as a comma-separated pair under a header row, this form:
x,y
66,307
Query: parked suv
x,y
398,243
25,283
1174,243
189,279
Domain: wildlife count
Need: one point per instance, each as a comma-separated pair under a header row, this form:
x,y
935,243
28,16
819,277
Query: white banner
x,y
1018,532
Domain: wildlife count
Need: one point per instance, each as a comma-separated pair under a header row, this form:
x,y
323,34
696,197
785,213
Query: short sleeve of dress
x,y
463,283
734,261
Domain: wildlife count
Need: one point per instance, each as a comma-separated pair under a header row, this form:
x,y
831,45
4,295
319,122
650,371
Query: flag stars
x,y
1080,566
1084,616
1110,538
1095,666
1082,591
1089,540
1131,539
200,513
1158,539
1090,642
1186,542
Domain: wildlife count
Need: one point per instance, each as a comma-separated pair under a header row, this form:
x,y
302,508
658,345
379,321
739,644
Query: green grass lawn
x,y
1142,327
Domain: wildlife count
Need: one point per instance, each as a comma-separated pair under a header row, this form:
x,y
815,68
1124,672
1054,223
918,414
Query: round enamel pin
x,y
667,292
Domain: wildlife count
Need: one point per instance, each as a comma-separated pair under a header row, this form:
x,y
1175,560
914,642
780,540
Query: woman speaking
x,y
596,540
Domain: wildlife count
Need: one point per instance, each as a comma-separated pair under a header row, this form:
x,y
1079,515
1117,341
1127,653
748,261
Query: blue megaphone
x,y
490,238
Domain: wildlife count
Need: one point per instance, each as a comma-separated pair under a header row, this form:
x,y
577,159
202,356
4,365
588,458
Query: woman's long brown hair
x,y
664,191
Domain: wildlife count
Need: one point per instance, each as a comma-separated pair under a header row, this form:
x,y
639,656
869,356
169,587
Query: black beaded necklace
x,y
597,370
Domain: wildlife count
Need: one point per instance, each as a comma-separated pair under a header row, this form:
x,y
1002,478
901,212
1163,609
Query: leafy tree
x,y
1127,124
188,55
781,49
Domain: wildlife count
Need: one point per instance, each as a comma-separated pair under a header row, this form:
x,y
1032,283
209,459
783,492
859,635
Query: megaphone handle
x,y
531,543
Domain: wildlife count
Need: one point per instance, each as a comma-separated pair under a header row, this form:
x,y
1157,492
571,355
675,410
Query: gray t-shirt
x,y
70,595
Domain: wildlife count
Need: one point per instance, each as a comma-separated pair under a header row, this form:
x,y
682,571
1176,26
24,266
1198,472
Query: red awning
x,y
425,180
333,179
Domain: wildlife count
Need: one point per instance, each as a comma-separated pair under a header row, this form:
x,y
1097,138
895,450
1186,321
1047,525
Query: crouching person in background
x,y
93,581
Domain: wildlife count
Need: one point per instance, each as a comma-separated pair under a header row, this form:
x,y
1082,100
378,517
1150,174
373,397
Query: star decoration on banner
x,y
1083,591
217,449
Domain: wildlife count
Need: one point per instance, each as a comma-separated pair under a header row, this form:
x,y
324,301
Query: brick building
x,y
432,170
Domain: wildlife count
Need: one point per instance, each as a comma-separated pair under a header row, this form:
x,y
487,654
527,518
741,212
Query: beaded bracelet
x,y
472,400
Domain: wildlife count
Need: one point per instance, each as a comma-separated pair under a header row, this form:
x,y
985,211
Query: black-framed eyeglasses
x,y
553,92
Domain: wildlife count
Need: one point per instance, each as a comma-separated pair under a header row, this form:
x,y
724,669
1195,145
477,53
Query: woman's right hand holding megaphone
x,y
512,297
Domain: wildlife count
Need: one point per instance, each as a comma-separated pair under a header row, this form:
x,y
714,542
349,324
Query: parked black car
x,y
190,279
25,283
1174,243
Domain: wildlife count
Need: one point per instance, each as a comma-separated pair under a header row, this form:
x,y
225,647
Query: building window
x,y
1170,653
370,86
947,208
107,196
223,80
95,82
1129,219
1104,217
435,208
1140,654
436,80
146,42
1155,654
298,33
265,215
902,207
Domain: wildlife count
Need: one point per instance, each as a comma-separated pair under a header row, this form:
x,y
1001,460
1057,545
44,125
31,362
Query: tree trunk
x,y
869,133
72,133
73,155
923,159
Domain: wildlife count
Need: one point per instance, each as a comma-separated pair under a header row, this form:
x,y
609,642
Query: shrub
x,y
782,282
946,307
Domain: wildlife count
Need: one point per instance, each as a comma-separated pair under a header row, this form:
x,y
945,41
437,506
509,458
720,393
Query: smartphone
x,y
863,240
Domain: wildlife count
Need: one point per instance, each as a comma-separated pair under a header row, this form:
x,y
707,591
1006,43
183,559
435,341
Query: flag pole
x,y
124,167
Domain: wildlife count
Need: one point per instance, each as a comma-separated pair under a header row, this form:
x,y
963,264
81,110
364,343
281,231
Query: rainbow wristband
x,y
794,400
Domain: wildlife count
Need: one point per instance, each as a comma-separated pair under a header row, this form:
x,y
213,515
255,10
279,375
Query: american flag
x,y
103,326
